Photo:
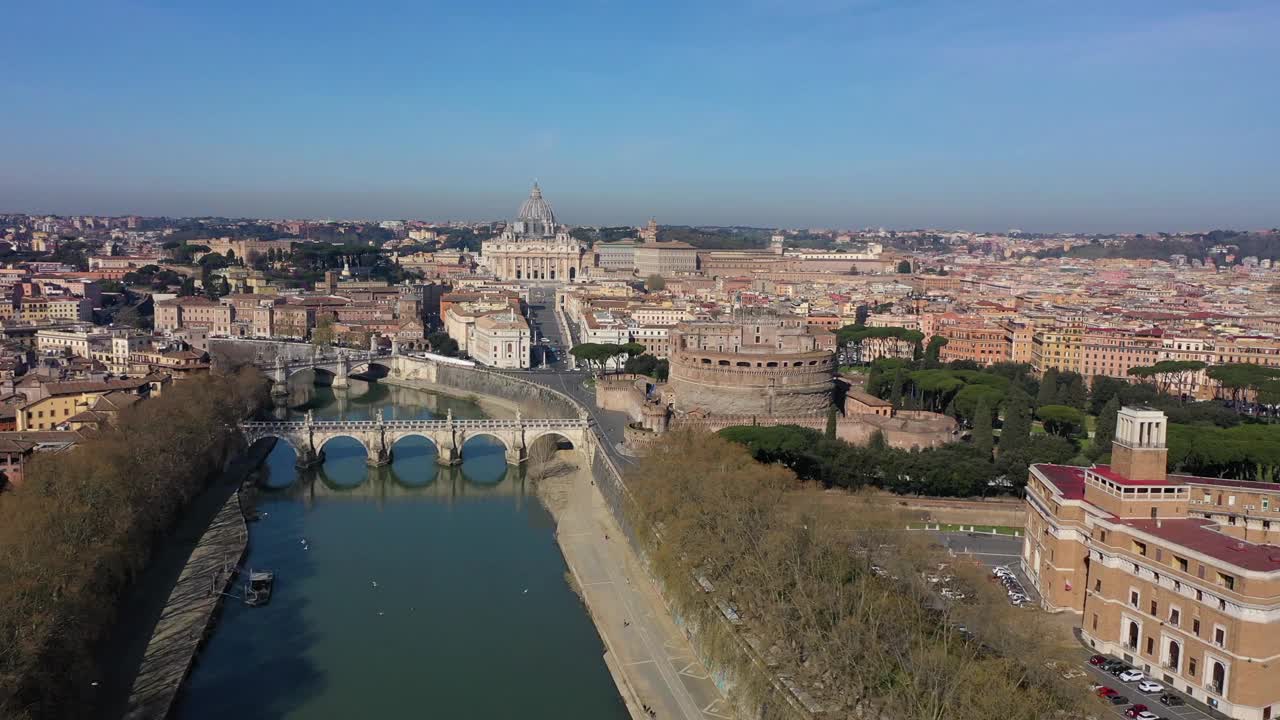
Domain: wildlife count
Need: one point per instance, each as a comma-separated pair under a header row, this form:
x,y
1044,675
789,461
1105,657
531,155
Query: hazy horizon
x,y
1145,116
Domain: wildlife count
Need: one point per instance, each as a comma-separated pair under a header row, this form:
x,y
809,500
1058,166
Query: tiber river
x,y
408,591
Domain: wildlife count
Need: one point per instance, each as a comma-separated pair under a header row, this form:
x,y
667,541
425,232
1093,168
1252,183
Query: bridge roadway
x,y
378,437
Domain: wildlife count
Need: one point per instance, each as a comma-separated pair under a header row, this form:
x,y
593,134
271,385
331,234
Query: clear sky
x,y
1038,114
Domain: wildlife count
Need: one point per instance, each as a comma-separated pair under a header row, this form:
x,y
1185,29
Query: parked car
x,y
1118,699
1097,659
1104,691
1131,675
1150,687
1172,700
1134,709
1115,667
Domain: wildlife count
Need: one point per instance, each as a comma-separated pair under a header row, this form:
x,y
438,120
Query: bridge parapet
x,y
308,437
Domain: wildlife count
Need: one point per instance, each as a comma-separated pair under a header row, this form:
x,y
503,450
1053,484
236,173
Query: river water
x,y
408,591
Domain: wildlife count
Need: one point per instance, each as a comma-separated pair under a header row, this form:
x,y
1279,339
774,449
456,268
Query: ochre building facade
x,y
1177,575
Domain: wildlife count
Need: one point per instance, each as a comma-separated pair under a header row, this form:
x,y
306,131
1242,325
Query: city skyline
x,y
821,114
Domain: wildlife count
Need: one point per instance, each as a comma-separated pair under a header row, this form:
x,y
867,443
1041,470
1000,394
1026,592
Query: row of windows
x,y
1175,619
52,413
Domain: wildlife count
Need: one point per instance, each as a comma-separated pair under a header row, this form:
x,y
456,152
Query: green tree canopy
x,y
1061,420
1171,377
1105,432
1048,393
983,439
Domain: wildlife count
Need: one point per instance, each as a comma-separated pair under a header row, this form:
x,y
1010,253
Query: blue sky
x,y
1083,115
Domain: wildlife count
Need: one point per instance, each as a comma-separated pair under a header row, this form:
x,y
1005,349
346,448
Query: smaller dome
x,y
535,209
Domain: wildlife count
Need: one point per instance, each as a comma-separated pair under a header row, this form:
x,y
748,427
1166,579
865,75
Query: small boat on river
x,y
257,589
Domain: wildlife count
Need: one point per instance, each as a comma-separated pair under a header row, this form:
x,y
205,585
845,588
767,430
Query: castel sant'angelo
x,y
761,370
764,365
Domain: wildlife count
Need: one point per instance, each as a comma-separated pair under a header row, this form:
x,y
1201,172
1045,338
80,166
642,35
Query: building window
x,y
1097,586
1095,621
1133,598
1151,645
1219,636
1191,667
1174,616
1195,626
1154,608
1227,581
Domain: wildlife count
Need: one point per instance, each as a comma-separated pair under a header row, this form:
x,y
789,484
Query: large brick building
x,y
1178,575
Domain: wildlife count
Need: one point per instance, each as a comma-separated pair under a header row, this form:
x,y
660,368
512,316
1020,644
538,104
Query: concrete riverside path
x,y
656,663
188,614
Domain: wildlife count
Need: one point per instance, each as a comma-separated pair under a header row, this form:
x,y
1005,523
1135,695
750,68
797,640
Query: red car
x,y
1105,692
1097,659
1133,710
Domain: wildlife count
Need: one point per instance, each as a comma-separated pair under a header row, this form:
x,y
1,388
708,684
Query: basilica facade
x,y
534,247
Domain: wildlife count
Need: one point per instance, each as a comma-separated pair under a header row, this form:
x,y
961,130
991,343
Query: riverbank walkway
x,y
658,666
188,614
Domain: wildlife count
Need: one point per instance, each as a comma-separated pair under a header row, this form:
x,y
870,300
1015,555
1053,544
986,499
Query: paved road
x,y
990,550
546,325
1191,711
643,643
558,376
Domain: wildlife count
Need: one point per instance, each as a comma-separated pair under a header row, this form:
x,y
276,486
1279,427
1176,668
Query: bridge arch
x,y
267,477
506,446
317,374
561,439
431,441
323,443
369,368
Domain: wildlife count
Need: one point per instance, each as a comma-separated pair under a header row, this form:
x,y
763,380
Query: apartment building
x,y
974,341
656,339
665,258
501,340
1059,346
1019,337
1178,575
74,340
194,312
59,401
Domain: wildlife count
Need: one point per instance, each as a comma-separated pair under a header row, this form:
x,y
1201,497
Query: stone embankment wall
x,y
906,430
913,432
622,393
230,352
534,399
1004,511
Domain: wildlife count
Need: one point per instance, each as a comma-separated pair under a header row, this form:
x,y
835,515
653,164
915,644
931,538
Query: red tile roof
x,y
1115,477
1069,479
1198,534
1224,482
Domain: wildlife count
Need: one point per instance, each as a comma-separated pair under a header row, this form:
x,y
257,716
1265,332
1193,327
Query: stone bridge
x,y
309,437
340,365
